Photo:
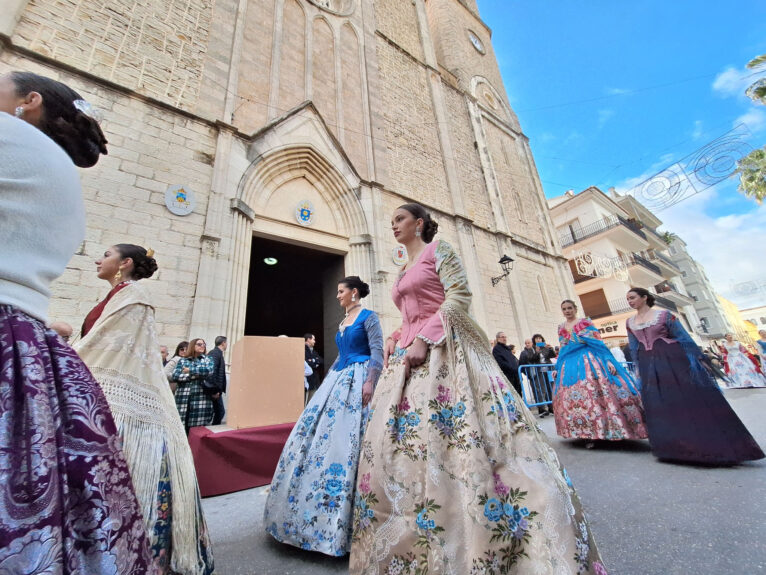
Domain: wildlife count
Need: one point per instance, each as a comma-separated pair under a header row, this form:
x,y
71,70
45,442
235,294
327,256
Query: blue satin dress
x,y
310,504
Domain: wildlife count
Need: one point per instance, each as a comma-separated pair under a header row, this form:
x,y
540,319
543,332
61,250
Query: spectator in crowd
x,y
217,380
509,365
315,362
195,407
537,352
164,354
170,367
63,329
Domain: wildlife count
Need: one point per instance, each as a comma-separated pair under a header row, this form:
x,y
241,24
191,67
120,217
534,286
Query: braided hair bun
x,y
144,265
62,120
355,282
430,227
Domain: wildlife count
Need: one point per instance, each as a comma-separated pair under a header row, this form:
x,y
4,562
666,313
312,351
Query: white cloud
x,y
754,119
617,91
732,82
697,133
629,183
604,116
727,246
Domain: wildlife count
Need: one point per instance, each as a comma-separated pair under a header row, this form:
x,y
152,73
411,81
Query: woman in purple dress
x,y
687,416
66,499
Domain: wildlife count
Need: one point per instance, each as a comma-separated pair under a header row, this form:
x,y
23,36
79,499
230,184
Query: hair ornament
x,y
87,108
150,253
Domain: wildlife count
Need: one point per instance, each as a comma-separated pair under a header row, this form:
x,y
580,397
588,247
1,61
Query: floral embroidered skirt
x,y
595,408
161,538
67,503
310,503
455,478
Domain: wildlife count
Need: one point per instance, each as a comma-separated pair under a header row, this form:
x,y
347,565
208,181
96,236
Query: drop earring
x,y
417,233
353,298
118,275
19,111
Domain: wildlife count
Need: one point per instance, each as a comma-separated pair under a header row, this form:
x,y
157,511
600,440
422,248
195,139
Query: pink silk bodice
x,y
418,293
648,333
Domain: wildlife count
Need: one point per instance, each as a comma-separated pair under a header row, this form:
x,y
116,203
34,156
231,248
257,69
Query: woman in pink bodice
x,y
454,476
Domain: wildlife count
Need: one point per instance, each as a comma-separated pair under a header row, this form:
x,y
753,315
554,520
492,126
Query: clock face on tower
x,y
476,42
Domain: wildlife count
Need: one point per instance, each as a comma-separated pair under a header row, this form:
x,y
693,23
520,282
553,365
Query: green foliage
x,y
668,237
757,90
752,174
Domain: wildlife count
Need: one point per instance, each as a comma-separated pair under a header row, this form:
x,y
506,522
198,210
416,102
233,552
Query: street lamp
x,y
506,263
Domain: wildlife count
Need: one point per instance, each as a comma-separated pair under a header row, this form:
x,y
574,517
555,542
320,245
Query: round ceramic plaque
x,y
304,213
180,200
400,255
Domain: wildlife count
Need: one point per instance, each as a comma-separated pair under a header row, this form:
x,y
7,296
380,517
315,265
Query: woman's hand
x,y
416,355
185,370
367,390
388,348
216,395
612,369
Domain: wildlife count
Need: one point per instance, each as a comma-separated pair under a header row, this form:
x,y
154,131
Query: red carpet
x,y
236,459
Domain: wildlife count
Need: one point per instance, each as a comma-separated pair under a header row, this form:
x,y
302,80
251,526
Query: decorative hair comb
x,y
87,108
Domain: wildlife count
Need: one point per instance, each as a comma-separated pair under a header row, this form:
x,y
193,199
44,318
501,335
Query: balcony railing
x,y
665,287
666,303
616,307
637,260
574,235
654,255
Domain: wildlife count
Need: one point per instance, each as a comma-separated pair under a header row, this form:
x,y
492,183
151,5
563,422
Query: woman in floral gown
x,y
454,476
687,416
120,347
310,503
66,500
594,397
742,370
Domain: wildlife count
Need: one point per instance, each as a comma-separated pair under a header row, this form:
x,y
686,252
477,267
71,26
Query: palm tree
x,y
752,168
757,90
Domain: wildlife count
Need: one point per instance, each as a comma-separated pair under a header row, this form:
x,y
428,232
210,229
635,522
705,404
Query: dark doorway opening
x,y
295,295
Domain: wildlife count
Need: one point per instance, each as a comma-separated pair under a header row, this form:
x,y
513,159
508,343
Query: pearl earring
x,y
417,233
19,111
353,298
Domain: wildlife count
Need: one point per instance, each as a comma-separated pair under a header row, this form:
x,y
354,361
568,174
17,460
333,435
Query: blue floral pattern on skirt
x,y
310,504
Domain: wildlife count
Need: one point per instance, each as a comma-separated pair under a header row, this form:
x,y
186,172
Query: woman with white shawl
x,y
120,346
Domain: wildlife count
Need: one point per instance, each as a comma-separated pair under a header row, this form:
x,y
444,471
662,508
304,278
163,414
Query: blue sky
x,y
611,92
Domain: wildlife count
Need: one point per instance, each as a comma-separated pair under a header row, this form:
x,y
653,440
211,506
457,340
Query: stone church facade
x,y
355,106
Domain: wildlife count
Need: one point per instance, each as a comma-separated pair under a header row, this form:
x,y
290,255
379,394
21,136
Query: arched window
x,y
543,293
518,205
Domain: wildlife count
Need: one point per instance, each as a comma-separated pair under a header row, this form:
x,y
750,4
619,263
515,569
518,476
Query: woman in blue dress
x,y
310,504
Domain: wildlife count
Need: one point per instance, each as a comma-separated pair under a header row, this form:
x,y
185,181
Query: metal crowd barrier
x,y
537,382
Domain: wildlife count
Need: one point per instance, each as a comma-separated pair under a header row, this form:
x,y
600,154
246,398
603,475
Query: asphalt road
x,y
648,517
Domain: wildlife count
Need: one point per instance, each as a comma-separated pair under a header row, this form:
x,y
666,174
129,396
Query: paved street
x,y
649,518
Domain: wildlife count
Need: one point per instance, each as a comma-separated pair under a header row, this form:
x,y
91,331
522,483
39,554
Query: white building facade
x,y
612,245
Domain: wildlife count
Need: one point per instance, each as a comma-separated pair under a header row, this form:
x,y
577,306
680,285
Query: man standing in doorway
x,y
508,363
315,362
218,377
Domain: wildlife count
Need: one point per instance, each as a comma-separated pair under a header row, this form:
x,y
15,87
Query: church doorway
x,y
291,291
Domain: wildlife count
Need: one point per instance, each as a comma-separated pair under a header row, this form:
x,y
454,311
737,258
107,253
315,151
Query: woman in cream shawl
x,y
120,346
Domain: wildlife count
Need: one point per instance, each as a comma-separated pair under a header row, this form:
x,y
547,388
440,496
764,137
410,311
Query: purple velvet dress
x,y
687,416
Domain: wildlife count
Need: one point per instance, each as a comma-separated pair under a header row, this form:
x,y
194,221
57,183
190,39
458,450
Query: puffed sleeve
x,y
691,349
457,294
375,341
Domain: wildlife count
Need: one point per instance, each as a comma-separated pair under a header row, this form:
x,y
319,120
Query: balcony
x,y
655,239
669,268
642,271
628,233
670,291
666,303
612,307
